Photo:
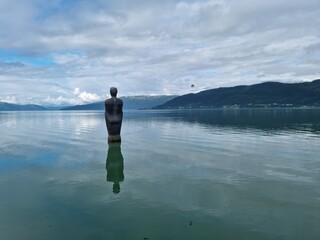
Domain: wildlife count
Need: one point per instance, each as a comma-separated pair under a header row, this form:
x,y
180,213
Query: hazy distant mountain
x,y
89,106
268,94
16,107
136,102
51,108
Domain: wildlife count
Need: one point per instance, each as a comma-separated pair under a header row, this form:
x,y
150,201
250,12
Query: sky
x,y
65,52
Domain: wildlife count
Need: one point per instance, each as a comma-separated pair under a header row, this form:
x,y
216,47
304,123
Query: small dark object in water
x,y
190,223
113,116
192,85
146,238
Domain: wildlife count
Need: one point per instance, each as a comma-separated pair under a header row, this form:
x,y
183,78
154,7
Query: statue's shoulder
x,y
109,100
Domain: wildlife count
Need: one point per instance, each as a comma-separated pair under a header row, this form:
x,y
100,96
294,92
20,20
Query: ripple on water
x,y
230,175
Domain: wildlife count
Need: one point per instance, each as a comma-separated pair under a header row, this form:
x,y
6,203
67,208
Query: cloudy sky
x,y
69,52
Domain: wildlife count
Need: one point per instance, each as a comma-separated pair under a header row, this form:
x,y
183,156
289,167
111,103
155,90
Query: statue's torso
x,y
113,115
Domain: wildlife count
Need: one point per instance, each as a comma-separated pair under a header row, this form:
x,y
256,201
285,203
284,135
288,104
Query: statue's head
x,y
113,91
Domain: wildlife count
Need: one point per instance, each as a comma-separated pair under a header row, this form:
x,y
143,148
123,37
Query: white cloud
x,y
60,100
76,91
292,44
8,99
154,47
86,96
89,97
77,98
65,58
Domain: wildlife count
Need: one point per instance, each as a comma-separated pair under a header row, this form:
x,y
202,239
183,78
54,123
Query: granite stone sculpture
x,y
113,115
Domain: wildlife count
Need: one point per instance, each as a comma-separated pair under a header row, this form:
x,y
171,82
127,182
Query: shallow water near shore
x,y
198,174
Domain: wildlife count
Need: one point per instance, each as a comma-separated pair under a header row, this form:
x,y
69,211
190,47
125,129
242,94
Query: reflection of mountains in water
x,y
267,119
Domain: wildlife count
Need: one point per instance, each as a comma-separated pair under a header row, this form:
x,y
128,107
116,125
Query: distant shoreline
x,y
176,109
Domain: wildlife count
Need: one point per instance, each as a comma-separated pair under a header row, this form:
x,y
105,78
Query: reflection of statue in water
x,y
114,166
113,115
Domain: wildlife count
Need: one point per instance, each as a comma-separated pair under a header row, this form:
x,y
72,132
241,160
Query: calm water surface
x,y
233,174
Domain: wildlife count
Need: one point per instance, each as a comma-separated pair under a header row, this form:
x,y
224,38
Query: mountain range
x,y
267,94
16,107
136,102
262,95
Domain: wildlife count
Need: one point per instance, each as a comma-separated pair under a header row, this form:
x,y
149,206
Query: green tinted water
x,y
233,174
